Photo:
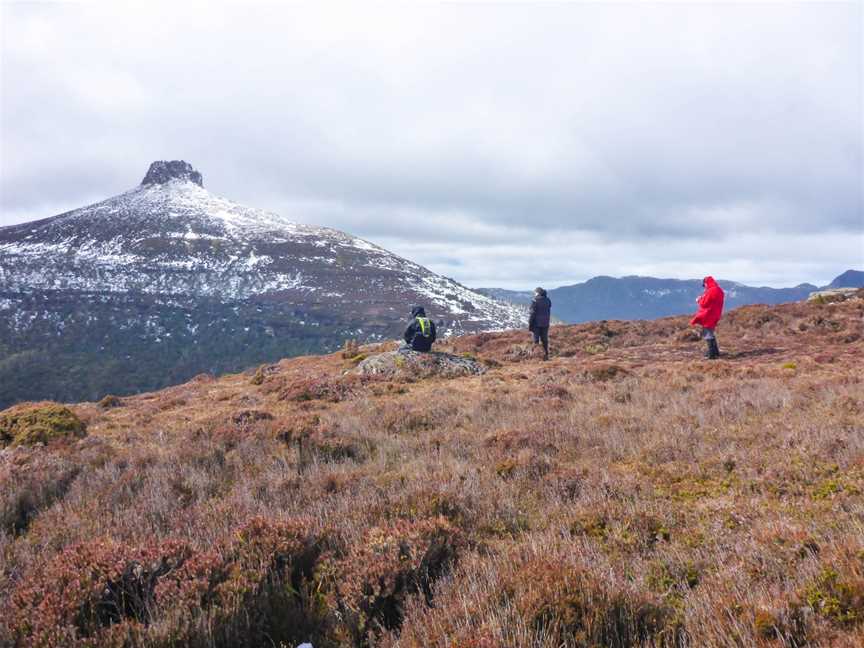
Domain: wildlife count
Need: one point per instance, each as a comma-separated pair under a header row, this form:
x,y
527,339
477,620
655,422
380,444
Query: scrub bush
x,y
32,423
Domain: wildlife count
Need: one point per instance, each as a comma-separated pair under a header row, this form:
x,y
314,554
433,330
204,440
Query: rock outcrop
x,y
405,362
163,171
834,294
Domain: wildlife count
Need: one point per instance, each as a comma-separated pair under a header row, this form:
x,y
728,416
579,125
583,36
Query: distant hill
x,y
636,297
849,279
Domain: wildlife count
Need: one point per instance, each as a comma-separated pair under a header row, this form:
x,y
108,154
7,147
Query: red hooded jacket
x,y
710,305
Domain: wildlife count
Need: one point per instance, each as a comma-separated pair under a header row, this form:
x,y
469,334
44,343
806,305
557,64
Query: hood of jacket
x,y
709,282
418,311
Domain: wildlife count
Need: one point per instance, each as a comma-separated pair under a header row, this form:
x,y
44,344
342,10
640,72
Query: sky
x,y
509,145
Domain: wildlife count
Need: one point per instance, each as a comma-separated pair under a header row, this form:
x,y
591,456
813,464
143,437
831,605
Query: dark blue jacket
x,y
540,313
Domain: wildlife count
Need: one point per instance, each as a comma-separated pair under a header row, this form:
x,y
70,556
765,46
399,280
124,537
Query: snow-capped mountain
x,y
129,262
170,236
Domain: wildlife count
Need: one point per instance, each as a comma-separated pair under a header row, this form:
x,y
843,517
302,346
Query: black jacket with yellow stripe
x,y
420,333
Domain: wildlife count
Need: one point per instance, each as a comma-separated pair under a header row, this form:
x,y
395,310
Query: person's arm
x,y
433,331
697,316
409,333
532,313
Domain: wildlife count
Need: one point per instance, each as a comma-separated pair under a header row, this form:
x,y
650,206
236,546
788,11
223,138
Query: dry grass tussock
x,y
625,493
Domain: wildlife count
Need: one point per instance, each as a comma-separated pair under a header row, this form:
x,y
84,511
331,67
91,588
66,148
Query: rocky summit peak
x,y
163,171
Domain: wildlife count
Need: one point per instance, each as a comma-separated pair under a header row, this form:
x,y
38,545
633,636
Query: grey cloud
x,y
480,128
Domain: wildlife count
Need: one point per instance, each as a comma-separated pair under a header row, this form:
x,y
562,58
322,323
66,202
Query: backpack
x,y
421,341
425,326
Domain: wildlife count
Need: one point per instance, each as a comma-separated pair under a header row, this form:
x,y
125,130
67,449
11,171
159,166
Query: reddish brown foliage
x,y
626,492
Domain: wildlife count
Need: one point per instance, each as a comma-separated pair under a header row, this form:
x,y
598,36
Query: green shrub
x,y
835,597
32,423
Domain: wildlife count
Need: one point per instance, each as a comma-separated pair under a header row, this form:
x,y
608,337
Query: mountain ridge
x,y
640,297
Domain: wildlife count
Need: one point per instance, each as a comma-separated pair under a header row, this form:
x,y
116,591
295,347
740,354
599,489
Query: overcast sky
x,y
503,145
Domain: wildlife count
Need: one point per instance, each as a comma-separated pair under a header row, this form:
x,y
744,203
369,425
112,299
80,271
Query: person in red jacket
x,y
710,310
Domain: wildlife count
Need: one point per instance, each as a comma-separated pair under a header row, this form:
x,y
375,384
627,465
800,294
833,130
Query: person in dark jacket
x,y
539,317
709,313
420,333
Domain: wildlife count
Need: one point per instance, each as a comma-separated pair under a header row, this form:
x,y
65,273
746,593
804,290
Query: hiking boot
x,y
714,349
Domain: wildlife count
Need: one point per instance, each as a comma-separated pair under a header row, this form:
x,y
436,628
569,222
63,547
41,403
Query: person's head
x,y
707,281
539,292
418,311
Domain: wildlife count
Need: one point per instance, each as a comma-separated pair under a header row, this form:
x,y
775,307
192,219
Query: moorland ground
x,y
624,493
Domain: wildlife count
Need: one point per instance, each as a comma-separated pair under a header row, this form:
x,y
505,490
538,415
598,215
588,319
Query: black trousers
x,y
541,334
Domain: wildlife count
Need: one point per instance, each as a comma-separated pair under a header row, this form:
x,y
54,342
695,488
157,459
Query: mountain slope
x,y
521,297
625,493
849,279
171,280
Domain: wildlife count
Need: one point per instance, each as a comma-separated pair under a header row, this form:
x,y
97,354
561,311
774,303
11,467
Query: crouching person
x,y
420,333
708,315
539,318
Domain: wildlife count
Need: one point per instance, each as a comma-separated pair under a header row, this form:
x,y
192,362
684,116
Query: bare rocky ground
x,y
624,493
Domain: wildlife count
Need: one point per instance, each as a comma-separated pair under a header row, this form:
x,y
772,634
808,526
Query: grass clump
x,y
567,603
32,423
506,468
837,597
110,401
594,349
356,360
602,373
350,349
103,593
593,525
370,584
258,378
765,624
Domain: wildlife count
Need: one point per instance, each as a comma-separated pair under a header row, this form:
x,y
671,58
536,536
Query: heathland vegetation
x,y
624,493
